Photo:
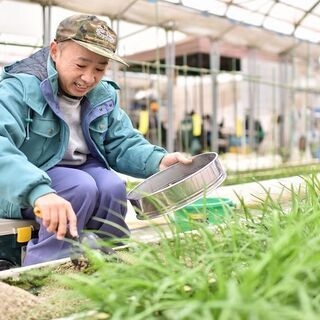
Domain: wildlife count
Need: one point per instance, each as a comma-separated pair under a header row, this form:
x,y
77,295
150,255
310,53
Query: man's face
x,y
79,70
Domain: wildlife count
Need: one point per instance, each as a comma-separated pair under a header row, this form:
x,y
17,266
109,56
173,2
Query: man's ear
x,y
53,50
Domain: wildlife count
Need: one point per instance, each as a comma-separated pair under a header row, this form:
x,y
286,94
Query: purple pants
x,y
95,194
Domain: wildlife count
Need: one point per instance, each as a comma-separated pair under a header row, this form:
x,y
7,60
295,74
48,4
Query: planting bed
x,y
261,264
40,295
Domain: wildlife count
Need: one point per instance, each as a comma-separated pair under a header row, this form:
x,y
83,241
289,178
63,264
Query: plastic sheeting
x,y
238,22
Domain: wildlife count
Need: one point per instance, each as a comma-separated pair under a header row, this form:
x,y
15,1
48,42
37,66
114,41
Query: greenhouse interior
x,y
211,124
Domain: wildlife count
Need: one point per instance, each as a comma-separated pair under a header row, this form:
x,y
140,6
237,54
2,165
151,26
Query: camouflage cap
x,y
91,33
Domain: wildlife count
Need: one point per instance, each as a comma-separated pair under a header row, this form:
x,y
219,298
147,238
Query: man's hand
x,y
57,215
172,158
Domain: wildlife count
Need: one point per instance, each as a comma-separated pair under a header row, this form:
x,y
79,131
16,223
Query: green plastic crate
x,y
203,211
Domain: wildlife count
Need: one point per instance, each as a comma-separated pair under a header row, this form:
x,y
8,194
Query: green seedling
x,y
262,263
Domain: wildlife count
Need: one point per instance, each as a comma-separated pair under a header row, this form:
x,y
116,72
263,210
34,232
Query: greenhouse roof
x,y
276,26
297,18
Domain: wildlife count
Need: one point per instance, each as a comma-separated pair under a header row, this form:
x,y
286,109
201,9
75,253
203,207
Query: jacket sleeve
x,y
20,181
127,150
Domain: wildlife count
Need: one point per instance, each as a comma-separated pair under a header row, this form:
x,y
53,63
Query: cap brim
x,y
101,51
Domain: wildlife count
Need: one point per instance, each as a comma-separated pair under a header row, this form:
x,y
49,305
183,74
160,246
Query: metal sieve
x,y
177,186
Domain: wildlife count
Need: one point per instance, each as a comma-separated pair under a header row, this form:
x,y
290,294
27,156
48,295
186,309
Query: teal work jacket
x,y
34,136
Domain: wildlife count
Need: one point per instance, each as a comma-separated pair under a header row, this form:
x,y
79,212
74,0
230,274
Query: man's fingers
x,y
178,157
172,158
72,218
62,227
57,215
54,221
46,219
181,158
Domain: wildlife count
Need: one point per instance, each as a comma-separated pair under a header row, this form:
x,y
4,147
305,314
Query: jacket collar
x,y
35,98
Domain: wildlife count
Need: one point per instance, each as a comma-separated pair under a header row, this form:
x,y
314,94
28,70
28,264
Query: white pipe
x,y
15,272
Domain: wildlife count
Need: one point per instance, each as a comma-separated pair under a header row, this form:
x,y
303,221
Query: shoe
x,y
91,240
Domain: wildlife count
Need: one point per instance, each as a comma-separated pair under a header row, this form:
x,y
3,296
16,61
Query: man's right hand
x,y
57,215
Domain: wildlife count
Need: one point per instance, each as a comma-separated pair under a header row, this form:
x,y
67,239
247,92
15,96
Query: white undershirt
x,y
77,150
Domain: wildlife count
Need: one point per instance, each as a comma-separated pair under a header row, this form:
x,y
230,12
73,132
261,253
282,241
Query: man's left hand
x,y
172,158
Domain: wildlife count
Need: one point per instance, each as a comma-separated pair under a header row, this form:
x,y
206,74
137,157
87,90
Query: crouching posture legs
x,y
98,197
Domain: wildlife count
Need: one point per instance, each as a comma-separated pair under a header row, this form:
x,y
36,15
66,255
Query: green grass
x,y
272,173
261,264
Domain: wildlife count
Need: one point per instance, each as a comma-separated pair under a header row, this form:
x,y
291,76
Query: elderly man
x,y
61,133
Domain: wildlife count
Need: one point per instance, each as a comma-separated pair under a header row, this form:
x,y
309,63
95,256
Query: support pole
x,y
115,66
306,106
158,70
293,133
251,113
283,103
46,23
170,62
214,70
274,117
